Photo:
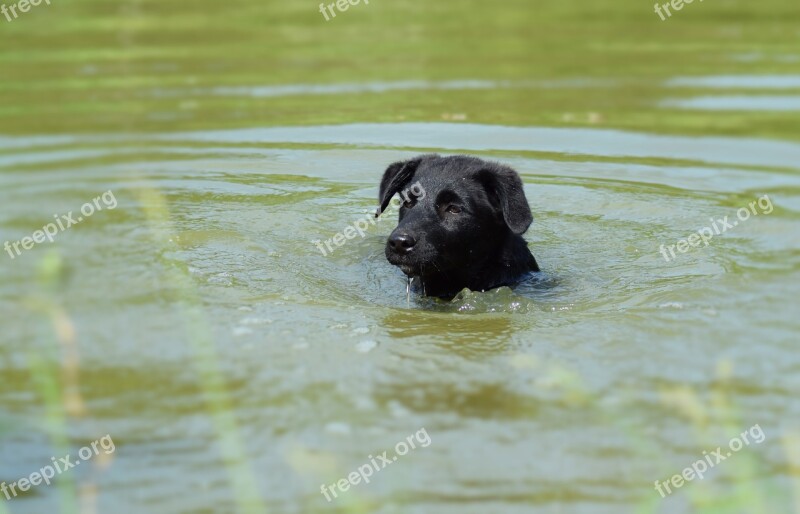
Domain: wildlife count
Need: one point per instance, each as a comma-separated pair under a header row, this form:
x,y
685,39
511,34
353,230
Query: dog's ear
x,y
395,178
506,192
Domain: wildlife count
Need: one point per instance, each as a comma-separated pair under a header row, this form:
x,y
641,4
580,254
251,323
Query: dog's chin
x,y
406,265
409,270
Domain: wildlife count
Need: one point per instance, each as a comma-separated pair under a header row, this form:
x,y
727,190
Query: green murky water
x,y
237,368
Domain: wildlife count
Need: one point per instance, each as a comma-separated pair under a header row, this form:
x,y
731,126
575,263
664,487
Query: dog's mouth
x,y
410,269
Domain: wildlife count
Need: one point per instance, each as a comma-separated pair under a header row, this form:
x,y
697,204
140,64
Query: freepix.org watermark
x,y
59,466
340,5
373,466
23,6
62,223
699,468
676,5
362,224
705,234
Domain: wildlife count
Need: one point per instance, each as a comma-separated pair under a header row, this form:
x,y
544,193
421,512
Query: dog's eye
x,y
453,209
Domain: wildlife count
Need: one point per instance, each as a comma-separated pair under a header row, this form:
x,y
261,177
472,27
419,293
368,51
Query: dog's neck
x,y
512,261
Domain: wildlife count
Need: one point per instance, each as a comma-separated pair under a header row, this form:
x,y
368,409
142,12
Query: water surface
x,y
237,368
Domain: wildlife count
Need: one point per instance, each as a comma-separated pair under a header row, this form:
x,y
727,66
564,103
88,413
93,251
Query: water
x,y
563,381
237,368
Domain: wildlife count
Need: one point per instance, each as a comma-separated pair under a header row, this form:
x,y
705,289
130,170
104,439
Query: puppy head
x,y
457,219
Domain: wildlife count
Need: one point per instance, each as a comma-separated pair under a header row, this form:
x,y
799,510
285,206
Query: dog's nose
x,y
402,243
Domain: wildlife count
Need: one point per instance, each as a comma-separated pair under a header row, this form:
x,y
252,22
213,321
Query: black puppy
x,y
460,225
